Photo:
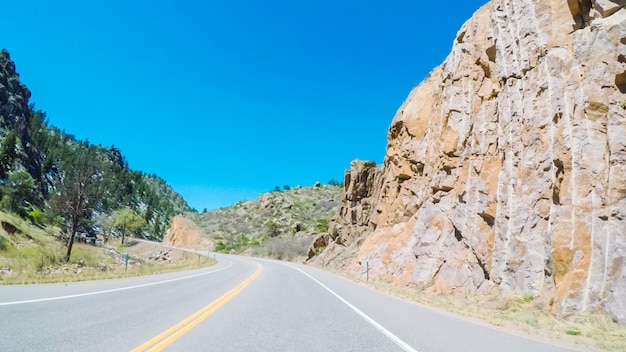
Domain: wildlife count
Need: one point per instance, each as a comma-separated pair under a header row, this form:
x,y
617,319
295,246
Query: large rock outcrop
x,y
506,167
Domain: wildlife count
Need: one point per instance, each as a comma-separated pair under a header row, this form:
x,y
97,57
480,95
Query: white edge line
x,y
112,290
371,321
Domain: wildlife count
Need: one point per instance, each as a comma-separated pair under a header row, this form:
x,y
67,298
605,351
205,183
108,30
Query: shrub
x,y
288,249
322,225
4,243
272,228
35,216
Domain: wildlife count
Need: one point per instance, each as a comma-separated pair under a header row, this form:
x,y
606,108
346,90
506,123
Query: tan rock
x,y
506,167
183,234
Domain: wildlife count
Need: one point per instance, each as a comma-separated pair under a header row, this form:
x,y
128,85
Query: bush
x,y
4,243
273,229
36,216
322,225
288,249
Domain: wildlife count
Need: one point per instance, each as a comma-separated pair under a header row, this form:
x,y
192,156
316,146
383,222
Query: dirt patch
x,y
10,228
153,252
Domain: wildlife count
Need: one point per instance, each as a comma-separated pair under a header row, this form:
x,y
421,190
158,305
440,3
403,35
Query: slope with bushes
x,y
280,224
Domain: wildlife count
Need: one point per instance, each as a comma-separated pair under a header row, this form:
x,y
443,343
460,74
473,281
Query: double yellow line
x,y
170,335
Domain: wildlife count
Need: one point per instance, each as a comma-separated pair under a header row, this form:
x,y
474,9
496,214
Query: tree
x,y
20,187
127,221
106,222
7,152
80,187
332,182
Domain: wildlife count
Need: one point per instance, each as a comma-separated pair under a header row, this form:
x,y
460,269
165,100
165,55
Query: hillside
x,y
505,169
34,254
281,224
41,168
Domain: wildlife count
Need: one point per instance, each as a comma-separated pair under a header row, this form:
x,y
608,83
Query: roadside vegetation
x,y
36,254
51,179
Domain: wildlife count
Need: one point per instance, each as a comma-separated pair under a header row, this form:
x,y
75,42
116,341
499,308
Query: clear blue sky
x,y
228,99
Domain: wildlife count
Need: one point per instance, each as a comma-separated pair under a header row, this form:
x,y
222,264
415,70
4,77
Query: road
x,y
239,304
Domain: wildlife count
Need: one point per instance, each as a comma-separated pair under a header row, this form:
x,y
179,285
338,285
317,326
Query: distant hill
x,y
281,224
36,159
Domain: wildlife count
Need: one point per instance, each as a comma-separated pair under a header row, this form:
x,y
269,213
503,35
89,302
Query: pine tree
x,y
80,187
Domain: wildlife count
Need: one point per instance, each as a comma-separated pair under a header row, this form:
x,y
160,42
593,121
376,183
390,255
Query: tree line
x,y
50,177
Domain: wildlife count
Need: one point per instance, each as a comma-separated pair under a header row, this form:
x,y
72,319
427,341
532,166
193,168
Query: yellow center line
x,y
170,335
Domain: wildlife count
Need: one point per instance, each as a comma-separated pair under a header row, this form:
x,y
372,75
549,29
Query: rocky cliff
x,y
15,117
506,168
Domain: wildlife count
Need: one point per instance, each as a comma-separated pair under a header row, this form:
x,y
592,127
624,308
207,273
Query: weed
x,y
532,321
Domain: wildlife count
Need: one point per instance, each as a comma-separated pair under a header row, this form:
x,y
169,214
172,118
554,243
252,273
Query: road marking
x,y
371,321
170,335
112,290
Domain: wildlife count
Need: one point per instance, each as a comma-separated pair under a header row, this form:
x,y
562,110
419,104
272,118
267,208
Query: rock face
x,y
183,233
506,168
362,184
15,117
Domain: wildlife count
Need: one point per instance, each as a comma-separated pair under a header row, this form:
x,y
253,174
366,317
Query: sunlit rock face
x,y
506,168
184,234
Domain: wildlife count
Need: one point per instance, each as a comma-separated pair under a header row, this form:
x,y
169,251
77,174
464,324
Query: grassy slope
x,y
34,254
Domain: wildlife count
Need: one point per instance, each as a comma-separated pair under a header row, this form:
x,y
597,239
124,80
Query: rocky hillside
x,y
280,224
15,116
35,157
506,168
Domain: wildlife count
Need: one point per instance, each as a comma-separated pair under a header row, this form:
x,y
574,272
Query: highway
x,y
239,304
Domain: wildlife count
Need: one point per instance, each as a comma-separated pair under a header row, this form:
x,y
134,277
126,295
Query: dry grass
x,y
35,255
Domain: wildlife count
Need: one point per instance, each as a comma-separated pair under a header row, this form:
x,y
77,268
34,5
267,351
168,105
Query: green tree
x,y
333,182
20,187
7,152
80,187
127,221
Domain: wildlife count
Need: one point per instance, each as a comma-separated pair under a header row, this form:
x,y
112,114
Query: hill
x,y
281,224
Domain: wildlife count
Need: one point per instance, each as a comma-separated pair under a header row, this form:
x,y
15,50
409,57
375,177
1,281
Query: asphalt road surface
x,y
239,304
